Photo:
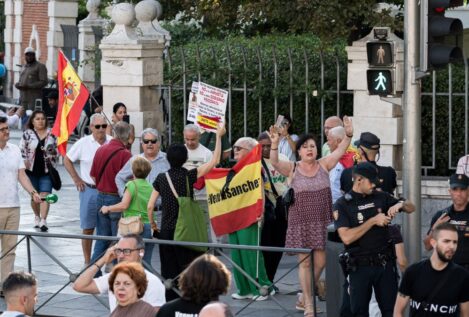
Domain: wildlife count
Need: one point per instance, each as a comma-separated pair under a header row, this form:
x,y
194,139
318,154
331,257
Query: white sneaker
x,y
43,225
237,296
37,220
259,298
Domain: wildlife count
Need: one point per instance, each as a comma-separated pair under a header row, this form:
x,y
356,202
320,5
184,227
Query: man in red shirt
x,y
108,161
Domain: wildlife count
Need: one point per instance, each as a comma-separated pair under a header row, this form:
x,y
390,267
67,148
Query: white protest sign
x,y
192,109
211,103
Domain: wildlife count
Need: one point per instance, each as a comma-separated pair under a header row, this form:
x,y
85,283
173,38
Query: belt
x,y
111,194
90,186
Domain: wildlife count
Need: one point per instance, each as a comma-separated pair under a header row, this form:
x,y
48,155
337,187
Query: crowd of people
x,y
338,182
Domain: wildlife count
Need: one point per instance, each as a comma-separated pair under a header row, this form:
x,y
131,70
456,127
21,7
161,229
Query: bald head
x,y
216,309
332,122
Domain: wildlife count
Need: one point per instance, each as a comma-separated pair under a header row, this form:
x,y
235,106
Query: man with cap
x,y
361,218
33,78
456,214
52,105
368,147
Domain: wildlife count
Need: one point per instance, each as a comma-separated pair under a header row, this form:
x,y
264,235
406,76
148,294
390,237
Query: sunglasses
x,y
154,141
237,148
99,126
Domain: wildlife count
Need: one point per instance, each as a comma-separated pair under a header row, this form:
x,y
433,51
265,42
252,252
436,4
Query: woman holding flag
x,y
311,210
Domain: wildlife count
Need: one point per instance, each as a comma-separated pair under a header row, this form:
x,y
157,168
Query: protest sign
x,y
211,106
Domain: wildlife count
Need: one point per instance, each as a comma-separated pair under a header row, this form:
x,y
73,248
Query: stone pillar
x,y
9,47
60,12
87,44
370,113
16,47
131,66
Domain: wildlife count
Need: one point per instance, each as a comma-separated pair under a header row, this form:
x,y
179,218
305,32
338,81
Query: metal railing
x,y
216,248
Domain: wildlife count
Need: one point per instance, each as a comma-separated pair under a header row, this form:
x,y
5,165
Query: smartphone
x,y
126,118
279,121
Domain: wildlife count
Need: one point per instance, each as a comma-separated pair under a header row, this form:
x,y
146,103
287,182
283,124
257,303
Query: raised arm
x,y
207,167
328,162
283,167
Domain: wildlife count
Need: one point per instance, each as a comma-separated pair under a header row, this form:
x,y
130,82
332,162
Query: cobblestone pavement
x,y
64,218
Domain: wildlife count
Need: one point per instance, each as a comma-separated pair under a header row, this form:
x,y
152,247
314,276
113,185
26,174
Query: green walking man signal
x,y
381,67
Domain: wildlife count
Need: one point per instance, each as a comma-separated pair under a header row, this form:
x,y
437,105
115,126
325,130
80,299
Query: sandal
x,y
309,310
299,305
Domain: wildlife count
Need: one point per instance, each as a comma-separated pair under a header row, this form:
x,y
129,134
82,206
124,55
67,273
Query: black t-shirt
x,y
356,210
39,162
461,220
420,279
386,175
169,203
180,307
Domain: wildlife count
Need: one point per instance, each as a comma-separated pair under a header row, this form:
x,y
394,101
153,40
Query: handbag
x,y
288,197
132,224
190,225
54,176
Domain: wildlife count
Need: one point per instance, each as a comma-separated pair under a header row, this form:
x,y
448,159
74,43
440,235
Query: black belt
x,y
111,194
90,186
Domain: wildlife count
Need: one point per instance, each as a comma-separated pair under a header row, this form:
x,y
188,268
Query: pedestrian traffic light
x,y
440,37
381,66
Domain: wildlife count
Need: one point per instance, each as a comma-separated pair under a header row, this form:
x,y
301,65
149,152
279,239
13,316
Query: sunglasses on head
x,y
99,126
154,141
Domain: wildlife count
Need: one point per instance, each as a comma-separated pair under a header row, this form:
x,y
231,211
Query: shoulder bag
x,y
53,173
132,224
278,211
191,225
288,196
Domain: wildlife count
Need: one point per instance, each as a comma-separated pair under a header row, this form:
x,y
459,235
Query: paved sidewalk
x,y
64,218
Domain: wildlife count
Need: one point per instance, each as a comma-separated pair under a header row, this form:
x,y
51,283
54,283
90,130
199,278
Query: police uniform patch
x,y
335,214
360,217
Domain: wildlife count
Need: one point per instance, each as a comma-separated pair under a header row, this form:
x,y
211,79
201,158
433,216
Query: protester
x,y
20,291
436,286
203,281
108,161
134,202
13,116
287,143
130,249
52,106
119,111
33,78
174,259
84,151
463,165
311,210
330,123
216,309
252,262
12,171
275,219
128,283
39,148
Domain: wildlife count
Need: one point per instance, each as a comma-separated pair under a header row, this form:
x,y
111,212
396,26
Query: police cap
x,y
458,181
367,170
368,140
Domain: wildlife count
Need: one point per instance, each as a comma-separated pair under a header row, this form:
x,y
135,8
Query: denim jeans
x,y
106,225
146,234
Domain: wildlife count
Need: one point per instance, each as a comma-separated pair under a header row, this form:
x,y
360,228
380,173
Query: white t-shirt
x,y
334,177
9,313
155,294
84,150
196,158
11,162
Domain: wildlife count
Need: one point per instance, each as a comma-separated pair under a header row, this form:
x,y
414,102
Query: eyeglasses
x,y
154,141
4,129
99,126
125,251
237,148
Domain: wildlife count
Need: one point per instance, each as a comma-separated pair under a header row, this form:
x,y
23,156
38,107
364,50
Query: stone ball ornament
x,y
123,14
146,10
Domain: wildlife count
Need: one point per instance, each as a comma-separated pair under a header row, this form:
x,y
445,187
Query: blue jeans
x,y
107,225
146,234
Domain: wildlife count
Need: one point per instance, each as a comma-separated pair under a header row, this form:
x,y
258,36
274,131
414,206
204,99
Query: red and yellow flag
x,y
240,204
72,98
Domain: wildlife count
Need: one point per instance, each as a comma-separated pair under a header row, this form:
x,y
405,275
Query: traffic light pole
x,y
411,175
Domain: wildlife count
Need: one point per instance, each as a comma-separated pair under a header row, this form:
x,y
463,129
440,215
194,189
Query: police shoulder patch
x,y
335,214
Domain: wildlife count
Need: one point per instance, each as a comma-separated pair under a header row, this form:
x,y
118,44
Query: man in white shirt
x,y
12,171
13,116
130,248
20,294
84,150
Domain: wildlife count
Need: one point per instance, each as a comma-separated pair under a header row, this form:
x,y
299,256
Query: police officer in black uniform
x,y
361,218
456,214
368,146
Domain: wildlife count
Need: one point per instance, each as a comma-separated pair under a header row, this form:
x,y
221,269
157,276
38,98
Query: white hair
x,y
337,133
149,131
192,127
248,142
95,116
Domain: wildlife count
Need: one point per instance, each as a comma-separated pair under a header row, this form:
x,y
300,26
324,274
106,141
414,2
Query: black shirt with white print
x,y
421,278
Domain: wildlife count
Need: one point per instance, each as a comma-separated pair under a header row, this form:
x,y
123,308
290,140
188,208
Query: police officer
x,y
361,218
368,146
456,214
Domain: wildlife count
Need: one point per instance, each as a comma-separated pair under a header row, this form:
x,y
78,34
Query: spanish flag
x,y
235,196
72,98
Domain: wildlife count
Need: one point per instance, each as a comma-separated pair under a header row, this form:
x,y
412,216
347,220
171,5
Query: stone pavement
x,y
64,219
